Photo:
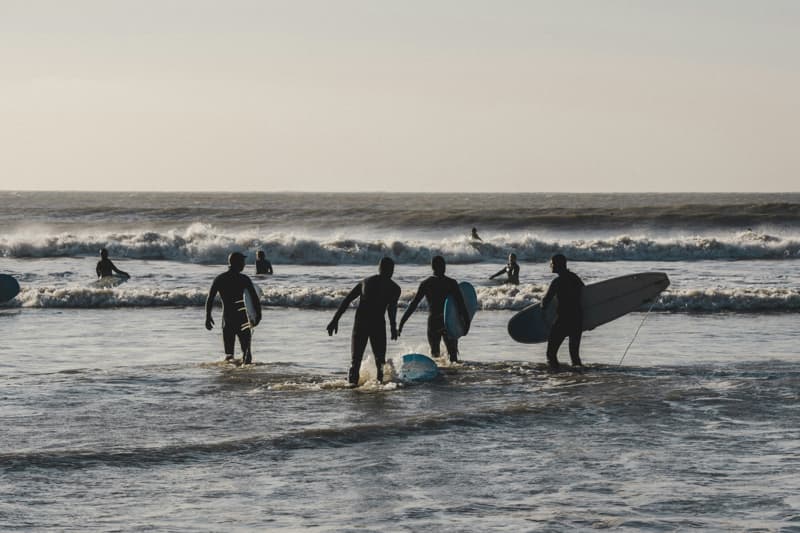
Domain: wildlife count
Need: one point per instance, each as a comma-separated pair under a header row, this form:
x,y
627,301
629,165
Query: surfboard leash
x,y
637,331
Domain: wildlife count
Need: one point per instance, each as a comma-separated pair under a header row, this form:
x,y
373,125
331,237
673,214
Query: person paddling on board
x,y
378,295
435,290
512,269
263,266
568,288
105,267
231,286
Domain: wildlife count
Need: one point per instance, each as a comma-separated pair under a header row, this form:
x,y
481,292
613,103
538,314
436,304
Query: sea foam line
x,y
490,298
202,243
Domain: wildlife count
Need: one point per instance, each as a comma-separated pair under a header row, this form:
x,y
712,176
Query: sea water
x,y
118,413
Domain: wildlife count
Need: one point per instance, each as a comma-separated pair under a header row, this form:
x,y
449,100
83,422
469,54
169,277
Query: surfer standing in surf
x,y
379,295
263,266
105,267
512,269
568,288
435,290
231,286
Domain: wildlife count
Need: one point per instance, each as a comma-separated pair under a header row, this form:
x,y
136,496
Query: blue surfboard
x,y
452,319
416,368
9,287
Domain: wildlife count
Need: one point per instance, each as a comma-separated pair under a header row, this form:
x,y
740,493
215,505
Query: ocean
x,y
118,413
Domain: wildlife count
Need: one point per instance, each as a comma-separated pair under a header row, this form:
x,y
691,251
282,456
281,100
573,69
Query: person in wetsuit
x,y
231,286
475,236
568,288
379,295
512,269
436,289
105,267
263,266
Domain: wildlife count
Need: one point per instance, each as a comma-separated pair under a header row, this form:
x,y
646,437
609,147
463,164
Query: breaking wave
x,y
202,243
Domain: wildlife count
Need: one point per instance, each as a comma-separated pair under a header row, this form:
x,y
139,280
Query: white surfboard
x,y
602,302
250,308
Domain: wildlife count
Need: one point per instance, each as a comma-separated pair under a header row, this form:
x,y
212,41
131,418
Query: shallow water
x,y
129,423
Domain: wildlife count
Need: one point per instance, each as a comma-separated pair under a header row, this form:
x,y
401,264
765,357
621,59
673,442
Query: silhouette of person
x,y
231,286
568,288
263,266
105,267
475,236
435,290
378,295
512,269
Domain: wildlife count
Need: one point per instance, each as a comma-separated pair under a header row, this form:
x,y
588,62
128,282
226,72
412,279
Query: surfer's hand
x,y
333,327
400,330
257,321
209,323
395,333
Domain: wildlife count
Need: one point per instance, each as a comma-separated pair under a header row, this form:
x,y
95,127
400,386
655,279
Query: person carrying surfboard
x,y
568,289
435,290
378,295
512,269
231,286
105,267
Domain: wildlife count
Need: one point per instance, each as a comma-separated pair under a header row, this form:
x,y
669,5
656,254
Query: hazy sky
x,y
405,95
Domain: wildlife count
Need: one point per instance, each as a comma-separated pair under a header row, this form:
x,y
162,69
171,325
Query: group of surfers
x,y
378,297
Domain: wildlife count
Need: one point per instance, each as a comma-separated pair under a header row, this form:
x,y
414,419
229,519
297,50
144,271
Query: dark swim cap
x,y
386,266
236,257
559,261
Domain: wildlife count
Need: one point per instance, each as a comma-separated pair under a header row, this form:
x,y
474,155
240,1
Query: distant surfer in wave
x,y
435,290
231,286
567,288
512,269
379,295
475,236
105,267
263,266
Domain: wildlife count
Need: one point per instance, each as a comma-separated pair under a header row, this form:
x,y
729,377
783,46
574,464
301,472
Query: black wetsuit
x,y
378,294
231,286
512,269
568,288
263,266
436,289
107,268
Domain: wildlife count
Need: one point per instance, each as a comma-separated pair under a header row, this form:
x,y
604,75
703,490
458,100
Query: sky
x,y
405,95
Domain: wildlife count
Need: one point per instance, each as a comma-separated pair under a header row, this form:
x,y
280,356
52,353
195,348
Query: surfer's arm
x,y
97,269
412,306
392,311
269,267
333,326
551,292
462,309
503,271
212,294
118,271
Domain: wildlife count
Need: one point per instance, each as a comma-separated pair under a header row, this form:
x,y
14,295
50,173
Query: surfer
x,y
263,266
231,286
475,236
436,289
105,267
512,269
567,288
379,295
